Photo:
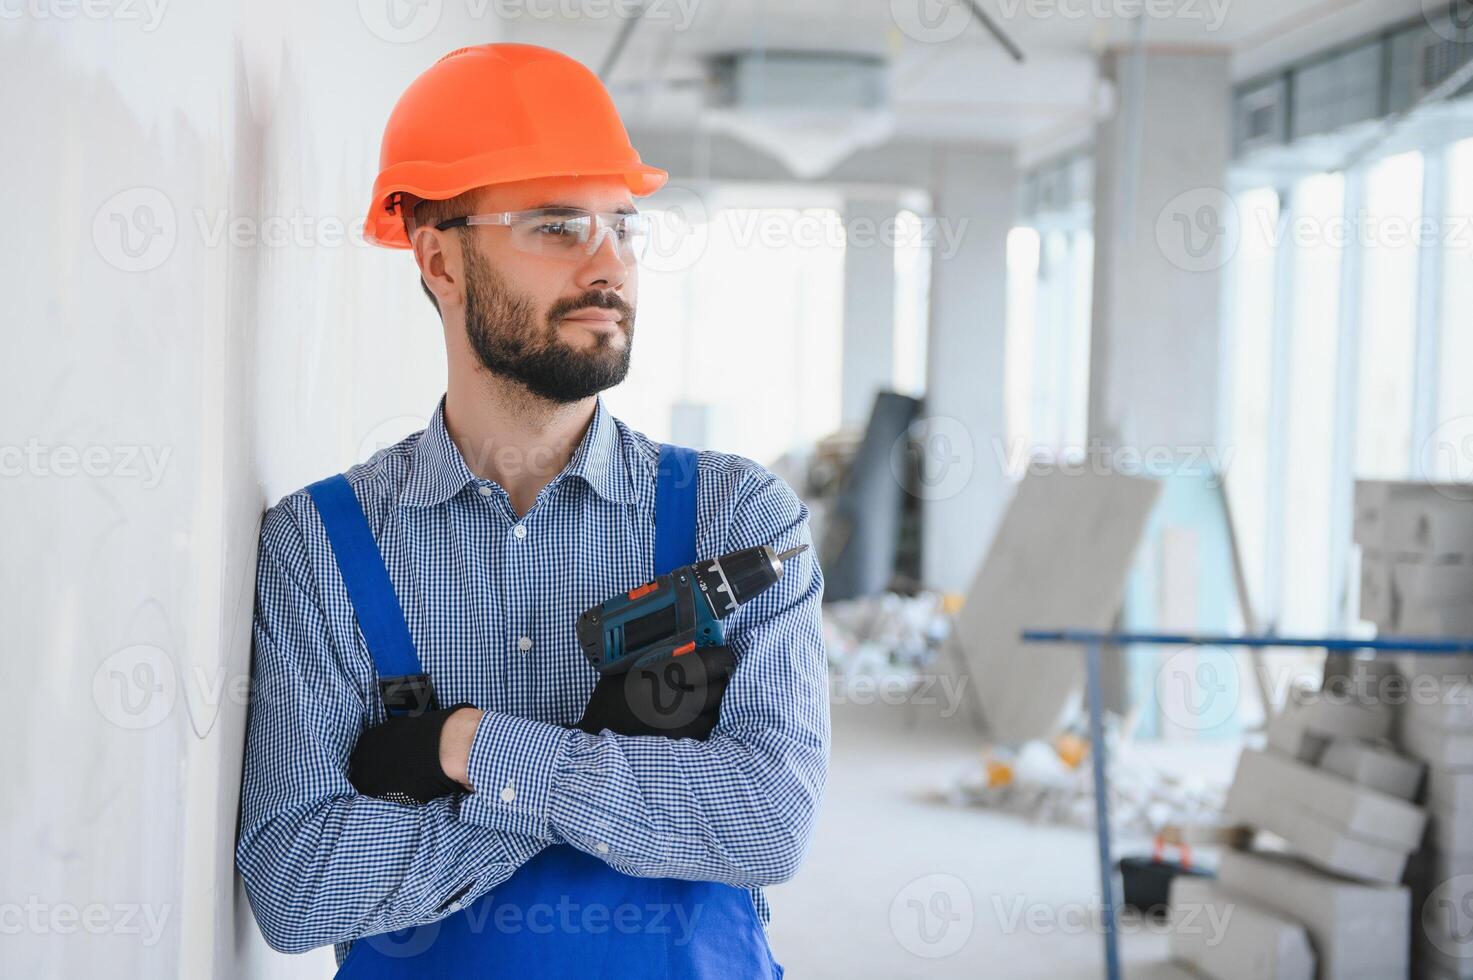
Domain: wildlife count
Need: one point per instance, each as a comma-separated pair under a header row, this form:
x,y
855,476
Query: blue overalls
x,y
564,913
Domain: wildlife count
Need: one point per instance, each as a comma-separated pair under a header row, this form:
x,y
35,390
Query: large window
x,y
752,296
1307,460
1249,361
1447,451
1386,231
1022,319
1347,336
912,303
1046,378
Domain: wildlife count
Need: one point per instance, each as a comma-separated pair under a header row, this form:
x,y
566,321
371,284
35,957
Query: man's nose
x,y
605,264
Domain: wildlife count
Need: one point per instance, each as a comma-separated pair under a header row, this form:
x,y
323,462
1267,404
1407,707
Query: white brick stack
x,y
1416,545
1339,796
1416,542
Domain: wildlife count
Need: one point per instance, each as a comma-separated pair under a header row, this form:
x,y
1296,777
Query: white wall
x,y
190,332
245,369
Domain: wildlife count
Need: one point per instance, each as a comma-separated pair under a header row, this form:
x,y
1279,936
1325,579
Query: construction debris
x,y
878,633
1051,782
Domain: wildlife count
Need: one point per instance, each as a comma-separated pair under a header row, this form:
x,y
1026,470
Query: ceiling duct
x,y
809,109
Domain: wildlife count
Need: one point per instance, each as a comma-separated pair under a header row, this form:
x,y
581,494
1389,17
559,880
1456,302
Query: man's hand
x,y
679,698
415,759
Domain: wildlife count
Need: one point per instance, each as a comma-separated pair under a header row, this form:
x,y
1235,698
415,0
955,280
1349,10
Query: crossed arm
x,y
323,864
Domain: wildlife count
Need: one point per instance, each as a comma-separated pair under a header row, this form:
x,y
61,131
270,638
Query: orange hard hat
x,y
494,113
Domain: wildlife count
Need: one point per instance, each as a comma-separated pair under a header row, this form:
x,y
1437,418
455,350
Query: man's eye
x,y
557,229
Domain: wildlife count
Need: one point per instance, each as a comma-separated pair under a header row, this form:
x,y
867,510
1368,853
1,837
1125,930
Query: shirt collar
x,y
438,471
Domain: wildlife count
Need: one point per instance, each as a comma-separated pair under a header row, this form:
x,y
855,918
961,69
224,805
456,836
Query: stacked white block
x,y
1221,937
1344,827
1339,796
1358,930
1416,545
1416,542
1440,732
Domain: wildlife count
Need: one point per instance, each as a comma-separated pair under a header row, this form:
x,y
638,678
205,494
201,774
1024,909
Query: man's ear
x,y
438,269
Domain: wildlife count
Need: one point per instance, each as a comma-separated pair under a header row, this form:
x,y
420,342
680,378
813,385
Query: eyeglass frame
x,y
604,222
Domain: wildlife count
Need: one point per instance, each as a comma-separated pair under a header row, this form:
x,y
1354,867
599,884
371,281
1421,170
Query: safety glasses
x,y
567,232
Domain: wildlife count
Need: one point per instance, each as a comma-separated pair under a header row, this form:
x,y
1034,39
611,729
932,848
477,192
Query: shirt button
x,y
601,848
520,530
508,795
485,489
524,644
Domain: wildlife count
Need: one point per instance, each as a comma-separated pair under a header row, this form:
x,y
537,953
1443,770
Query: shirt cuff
x,y
512,765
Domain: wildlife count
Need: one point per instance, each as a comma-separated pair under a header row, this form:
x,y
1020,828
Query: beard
x,y
510,340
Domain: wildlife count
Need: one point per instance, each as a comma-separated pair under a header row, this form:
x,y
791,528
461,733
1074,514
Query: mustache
x,y
592,299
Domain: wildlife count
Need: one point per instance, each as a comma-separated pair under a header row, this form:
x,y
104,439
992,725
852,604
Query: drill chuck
x,y
739,577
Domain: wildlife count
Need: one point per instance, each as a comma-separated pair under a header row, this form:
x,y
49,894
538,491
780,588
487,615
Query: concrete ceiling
x,y
952,80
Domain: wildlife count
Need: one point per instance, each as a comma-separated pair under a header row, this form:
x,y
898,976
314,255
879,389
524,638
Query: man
x,y
516,775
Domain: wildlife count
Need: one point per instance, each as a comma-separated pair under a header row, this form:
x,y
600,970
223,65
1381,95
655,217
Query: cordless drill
x,y
678,611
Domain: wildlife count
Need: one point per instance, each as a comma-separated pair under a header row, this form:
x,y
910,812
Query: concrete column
x,y
963,486
1164,227
869,304
1161,238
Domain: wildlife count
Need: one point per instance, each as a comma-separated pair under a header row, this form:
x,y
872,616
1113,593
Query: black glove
x,y
678,698
400,759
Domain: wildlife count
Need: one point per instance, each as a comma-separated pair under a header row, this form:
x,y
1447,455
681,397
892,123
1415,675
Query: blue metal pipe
x,y
1408,644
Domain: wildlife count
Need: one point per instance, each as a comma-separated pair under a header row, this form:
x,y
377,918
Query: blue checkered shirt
x,y
491,599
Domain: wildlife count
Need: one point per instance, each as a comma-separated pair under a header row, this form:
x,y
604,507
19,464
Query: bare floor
x,y
899,886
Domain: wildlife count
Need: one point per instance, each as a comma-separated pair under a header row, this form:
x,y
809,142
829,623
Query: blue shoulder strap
x,y
380,616
675,508
376,605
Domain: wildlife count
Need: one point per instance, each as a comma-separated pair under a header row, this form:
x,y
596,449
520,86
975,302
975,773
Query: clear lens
x,y
578,234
